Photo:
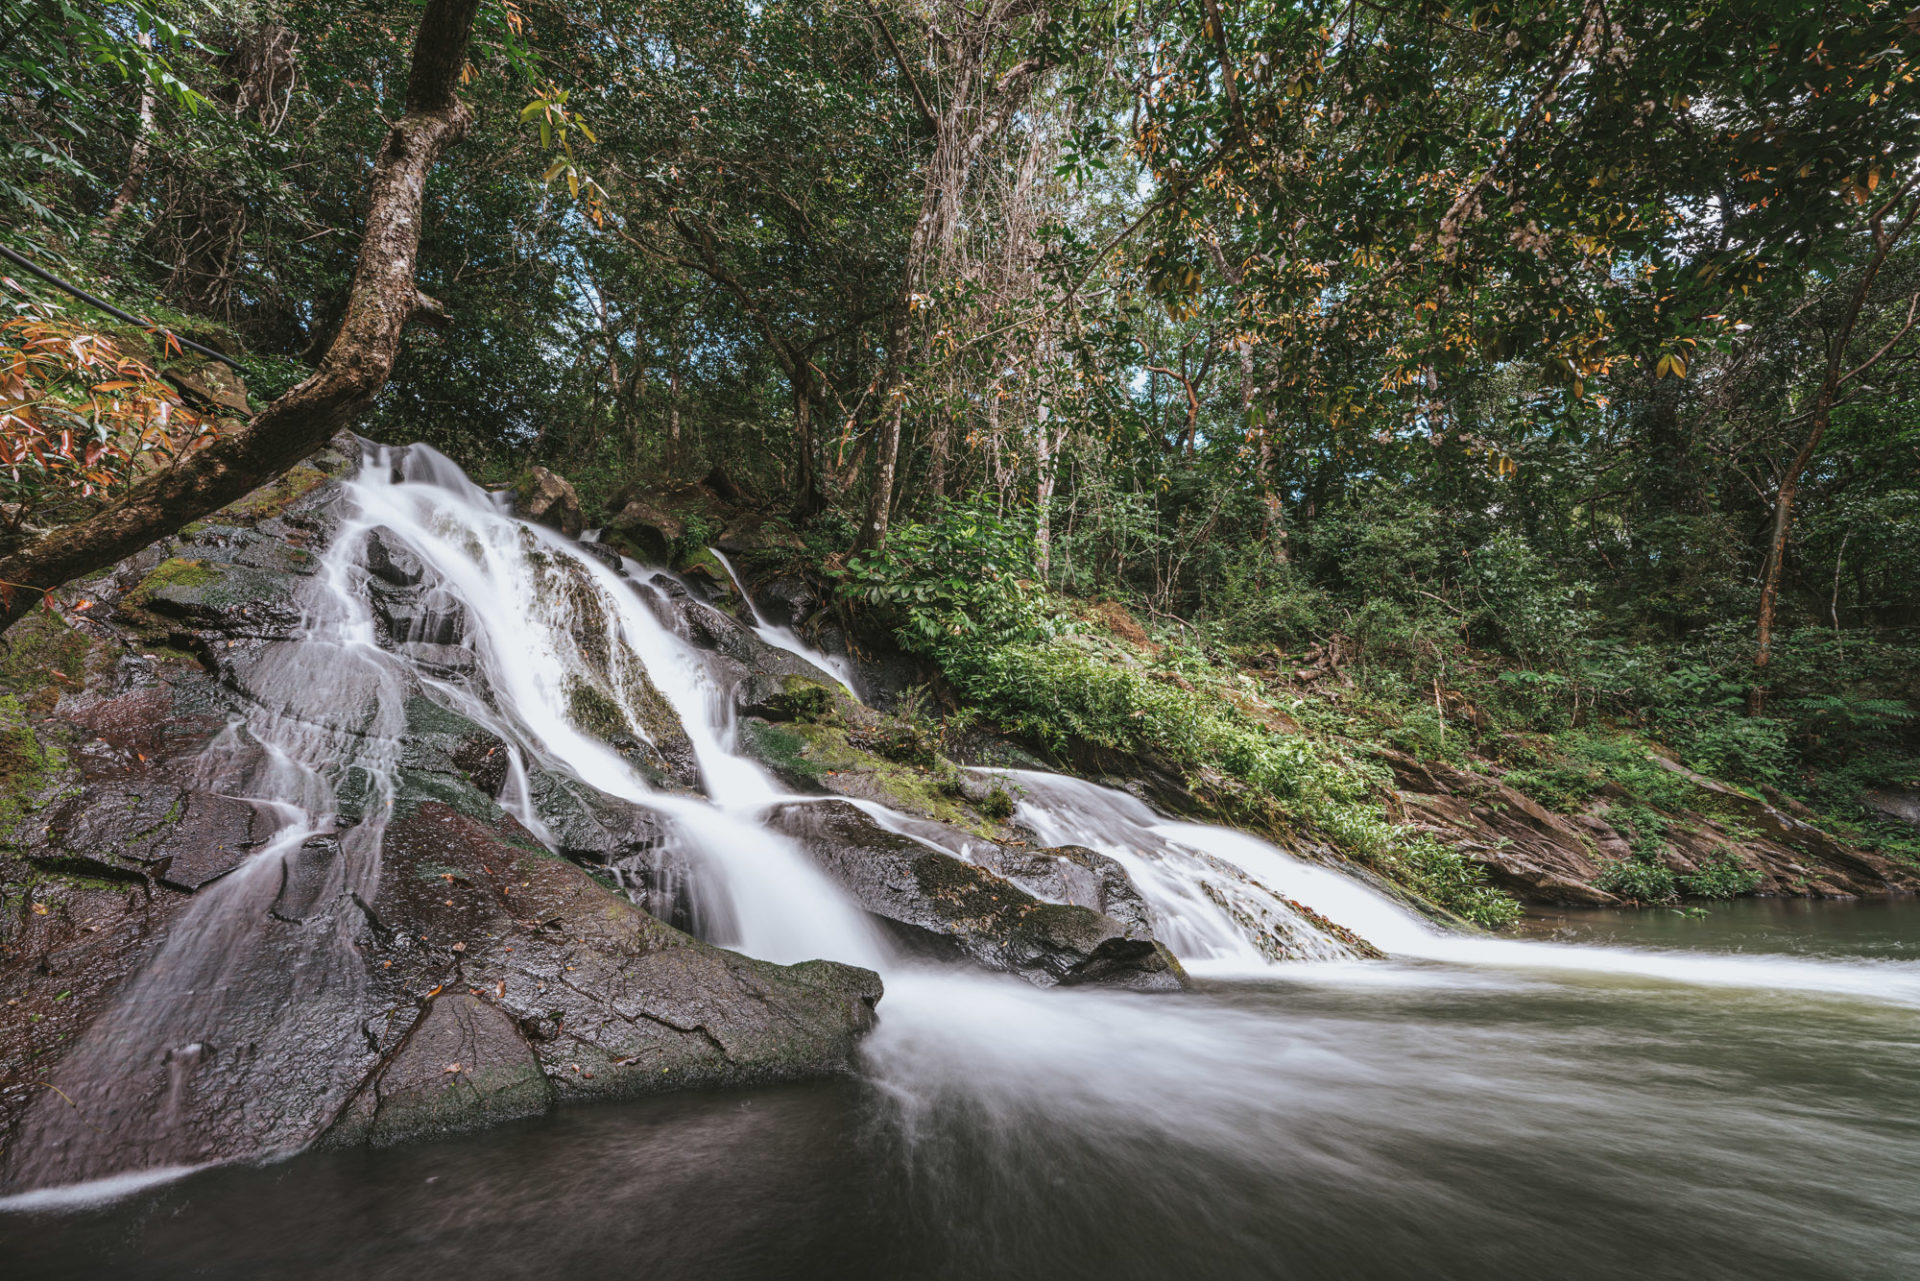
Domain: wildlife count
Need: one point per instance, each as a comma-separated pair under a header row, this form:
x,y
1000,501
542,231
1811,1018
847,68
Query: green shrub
x,y
1722,877
1638,880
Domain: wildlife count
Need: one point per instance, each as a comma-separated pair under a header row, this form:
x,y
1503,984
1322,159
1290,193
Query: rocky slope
x,y
423,962
426,967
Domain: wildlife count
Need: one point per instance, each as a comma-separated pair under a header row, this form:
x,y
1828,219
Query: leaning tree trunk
x,y
356,366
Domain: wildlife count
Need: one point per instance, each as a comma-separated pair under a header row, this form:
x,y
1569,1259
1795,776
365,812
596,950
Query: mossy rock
x,y
42,655
209,594
273,499
818,757
702,564
32,773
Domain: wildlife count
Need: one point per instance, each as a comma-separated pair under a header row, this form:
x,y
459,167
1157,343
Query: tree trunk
x,y
674,457
356,366
806,490
1044,451
1777,548
136,158
1837,376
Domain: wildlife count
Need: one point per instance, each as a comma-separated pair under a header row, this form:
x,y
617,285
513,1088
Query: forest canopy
x,y
1549,357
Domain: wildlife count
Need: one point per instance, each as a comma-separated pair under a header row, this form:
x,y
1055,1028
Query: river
x,y
1370,1120
1608,1095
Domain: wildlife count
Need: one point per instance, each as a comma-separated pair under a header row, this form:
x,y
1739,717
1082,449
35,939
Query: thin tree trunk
x,y
1837,375
382,299
807,502
673,417
1044,450
136,158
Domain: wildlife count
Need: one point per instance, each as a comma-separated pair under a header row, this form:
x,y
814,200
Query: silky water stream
x,y
1660,1098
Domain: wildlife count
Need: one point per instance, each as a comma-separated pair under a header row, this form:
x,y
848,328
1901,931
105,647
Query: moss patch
x,y
595,711
820,756
41,655
180,571
28,767
274,497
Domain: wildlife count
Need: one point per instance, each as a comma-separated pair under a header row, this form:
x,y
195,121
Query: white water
x,y
785,637
1167,859
530,596
542,617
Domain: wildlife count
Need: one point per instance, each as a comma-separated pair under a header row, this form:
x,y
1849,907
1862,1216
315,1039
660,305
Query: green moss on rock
x,y
29,769
595,711
819,755
180,571
41,656
274,497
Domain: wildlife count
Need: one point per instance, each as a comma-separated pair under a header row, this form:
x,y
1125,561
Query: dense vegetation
x,y
1537,376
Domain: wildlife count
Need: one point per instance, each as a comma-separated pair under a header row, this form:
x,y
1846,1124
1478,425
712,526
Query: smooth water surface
x,y
1398,1119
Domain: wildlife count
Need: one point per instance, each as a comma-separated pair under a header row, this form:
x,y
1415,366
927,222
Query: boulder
x,y
644,530
943,907
389,560
1071,874
787,599
1900,804
547,499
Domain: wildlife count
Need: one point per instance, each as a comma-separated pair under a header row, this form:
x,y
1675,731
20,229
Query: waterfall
x,y
522,626
545,619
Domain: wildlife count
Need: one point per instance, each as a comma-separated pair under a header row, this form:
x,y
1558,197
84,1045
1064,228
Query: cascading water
x,y
525,629
545,622
783,637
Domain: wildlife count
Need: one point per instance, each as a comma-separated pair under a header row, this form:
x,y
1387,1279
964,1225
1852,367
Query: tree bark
x,y
807,502
356,365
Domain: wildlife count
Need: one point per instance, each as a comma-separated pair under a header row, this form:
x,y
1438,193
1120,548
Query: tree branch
x,y
356,365
906,68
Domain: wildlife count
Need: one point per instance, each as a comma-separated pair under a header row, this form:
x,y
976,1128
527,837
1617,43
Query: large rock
x,y
576,982
644,530
548,499
951,909
193,987
1072,874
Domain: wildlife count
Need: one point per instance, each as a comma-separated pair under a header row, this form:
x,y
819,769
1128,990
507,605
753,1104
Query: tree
x,y
1887,225
980,66
382,299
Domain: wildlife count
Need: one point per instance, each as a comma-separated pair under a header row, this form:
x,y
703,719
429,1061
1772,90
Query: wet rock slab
x,y
470,977
951,909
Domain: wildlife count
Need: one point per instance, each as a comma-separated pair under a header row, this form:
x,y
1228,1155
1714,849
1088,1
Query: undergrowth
x,y
1020,660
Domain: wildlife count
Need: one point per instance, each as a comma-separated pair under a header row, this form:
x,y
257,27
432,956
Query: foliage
x,y
1637,880
959,576
1054,682
79,419
1722,877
